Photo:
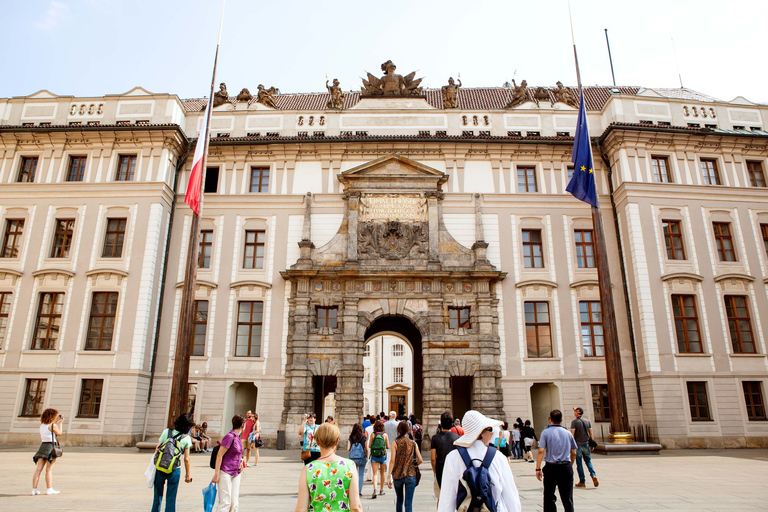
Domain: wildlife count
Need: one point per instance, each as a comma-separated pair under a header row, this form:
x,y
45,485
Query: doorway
x,y
544,398
241,397
324,385
461,395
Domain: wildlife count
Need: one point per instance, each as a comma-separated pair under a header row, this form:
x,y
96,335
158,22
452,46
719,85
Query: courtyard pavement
x,y
106,479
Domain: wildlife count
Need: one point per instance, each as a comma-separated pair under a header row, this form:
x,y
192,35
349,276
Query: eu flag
x,y
582,184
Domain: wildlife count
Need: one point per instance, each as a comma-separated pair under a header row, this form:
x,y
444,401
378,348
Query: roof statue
x,y
451,94
541,94
337,97
519,94
221,96
565,95
245,95
391,84
266,96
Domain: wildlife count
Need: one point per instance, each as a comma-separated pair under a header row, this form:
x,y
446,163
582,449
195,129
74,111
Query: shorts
x,y
379,460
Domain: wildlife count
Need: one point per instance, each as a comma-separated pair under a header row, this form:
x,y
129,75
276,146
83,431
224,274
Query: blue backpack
x,y
357,452
475,490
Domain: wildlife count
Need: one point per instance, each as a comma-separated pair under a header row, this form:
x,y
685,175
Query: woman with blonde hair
x,y
50,427
329,483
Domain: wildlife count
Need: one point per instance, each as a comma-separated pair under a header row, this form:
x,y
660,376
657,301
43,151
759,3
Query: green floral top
x,y
328,484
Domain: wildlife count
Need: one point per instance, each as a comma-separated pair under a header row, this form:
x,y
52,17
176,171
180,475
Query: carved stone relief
x,y
393,240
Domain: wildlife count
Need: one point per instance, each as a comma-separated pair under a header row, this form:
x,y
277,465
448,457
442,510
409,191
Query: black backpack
x,y
215,453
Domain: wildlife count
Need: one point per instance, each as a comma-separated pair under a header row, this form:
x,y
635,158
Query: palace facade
x,y
436,221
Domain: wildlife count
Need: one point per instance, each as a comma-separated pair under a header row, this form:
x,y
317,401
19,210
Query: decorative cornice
x,y
536,282
734,275
97,271
53,271
584,282
682,275
260,284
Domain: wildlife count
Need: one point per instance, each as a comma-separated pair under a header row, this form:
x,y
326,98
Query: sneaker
x,y
51,491
35,492
594,480
374,495
530,461
381,493
580,484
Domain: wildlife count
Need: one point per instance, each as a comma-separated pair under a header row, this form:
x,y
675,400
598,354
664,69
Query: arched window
x,y
397,350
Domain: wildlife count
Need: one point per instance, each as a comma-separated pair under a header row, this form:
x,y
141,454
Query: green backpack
x,y
378,446
168,457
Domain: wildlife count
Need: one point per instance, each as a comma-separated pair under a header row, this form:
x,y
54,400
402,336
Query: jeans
x,y
515,449
558,476
583,452
360,463
407,484
172,480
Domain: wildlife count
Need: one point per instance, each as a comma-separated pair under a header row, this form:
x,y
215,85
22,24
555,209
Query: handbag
x,y
416,466
305,454
258,443
57,452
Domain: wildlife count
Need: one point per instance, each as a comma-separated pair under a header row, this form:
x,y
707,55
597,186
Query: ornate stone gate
x,y
392,257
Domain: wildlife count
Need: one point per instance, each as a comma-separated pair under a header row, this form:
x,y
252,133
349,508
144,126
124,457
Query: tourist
x,y
441,446
457,427
309,449
245,436
366,421
582,432
521,444
516,451
329,419
205,437
254,441
390,427
229,464
368,434
558,449
529,436
329,483
358,451
195,440
376,442
171,480
417,432
50,427
503,440
477,436
402,468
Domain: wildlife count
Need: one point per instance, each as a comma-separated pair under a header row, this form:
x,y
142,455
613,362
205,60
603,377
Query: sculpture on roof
x,y
565,95
221,96
541,94
267,96
451,94
391,84
337,97
519,94
245,95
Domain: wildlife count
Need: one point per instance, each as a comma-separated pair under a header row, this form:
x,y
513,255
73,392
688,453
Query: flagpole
x,y
180,383
617,400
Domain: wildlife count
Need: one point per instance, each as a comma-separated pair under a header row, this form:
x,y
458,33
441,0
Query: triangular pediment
x,y
392,172
42,94
138,91
393,165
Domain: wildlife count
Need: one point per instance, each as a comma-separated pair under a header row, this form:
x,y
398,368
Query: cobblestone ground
x,y
106,479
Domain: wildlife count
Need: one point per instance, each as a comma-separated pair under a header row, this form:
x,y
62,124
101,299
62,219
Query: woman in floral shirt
x,y
329,484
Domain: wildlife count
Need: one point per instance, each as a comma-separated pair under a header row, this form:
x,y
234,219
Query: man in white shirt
x,y
478,430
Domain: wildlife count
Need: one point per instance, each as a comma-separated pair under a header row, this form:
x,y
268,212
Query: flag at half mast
x,y
194,188
582,184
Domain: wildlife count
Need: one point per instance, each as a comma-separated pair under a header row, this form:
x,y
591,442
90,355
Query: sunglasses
x,y
489,429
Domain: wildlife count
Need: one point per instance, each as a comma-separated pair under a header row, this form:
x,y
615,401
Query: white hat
x,y
473,424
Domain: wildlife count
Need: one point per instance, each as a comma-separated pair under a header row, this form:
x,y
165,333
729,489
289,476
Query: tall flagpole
x,y
617,400
180,383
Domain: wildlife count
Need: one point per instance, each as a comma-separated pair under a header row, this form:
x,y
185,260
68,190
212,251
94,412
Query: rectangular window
x,y
249,323
114,238
585,248
367,375
739,324
397,374
764,231
253,255
259,179
591,328
211,180
126,168
327,317
538,333
14,228
199,327
600,403
724,241
397,350
458,318
191,397
753,396
34,395
686,324
570,172
660,165
532,252
90,398
673,238
76,168
526,179
5,310
101,325
62,239
709,172
756,175
27,169
206,248
697,399
48,321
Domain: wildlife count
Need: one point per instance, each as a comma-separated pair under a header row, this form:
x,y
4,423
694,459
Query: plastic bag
x,y
150,474
209,497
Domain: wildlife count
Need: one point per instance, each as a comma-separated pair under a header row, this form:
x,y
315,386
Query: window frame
x,y
529,178
720,242
529,247
669,238
591,325
77,164
109,311
661,175
456,318
50,339
754,400
5,314
93,404
601,407
708,173
62,238
205,246
27,173
38,401
196,322
262,184
129,172
329,321
208,181
398,377
696,389
764,231
678,304
251,324
255,244
582,260
398,350
115,247
756,173
13,236
536,326
737,345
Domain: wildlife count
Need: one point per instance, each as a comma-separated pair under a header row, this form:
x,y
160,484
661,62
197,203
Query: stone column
x,y
434,227
349,385
437,390
298,386
487,382
352,205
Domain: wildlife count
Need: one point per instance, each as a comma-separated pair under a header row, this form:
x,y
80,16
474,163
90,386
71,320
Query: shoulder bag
x,y
592,443
57,452
416,464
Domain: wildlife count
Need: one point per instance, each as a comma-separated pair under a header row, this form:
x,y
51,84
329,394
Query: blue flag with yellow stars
x,y
582,184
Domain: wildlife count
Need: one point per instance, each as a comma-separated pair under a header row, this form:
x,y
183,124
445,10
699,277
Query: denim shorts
x,y
379,460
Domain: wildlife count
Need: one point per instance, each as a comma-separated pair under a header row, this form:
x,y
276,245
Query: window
x,y
686,324
5,309
249,323
532,253
62,239
397,350
585,248
526,179
14,228
673,238
259,179
27,170
199,326
570,172
753,396
211,180
253,256
326,317
660,165
101,326
191,397
206,248
90,398
34,394
397,374
76,168
591,329
367,375
126,168
600,403
538,333
458,318
48,321
764,231
724,241
367,352
697,399
756,176
739,324
114,238
709,172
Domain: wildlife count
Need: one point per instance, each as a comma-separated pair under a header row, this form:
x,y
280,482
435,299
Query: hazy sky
x,y
97,47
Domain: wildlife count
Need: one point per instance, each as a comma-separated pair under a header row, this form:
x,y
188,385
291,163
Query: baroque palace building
x,y
435,219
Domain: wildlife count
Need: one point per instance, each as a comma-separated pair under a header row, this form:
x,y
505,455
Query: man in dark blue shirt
x,y
558,449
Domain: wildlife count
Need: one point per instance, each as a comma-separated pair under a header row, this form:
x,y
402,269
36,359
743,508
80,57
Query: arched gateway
x,y
392,266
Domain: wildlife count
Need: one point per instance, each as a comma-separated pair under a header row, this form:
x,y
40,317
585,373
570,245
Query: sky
x,y
98,47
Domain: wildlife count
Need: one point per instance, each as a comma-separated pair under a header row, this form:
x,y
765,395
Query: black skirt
x,y
44,452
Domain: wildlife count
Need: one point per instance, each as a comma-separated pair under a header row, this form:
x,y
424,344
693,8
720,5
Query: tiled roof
x,y
684,94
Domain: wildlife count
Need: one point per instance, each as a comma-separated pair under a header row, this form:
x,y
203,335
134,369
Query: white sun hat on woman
x,y
473,424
